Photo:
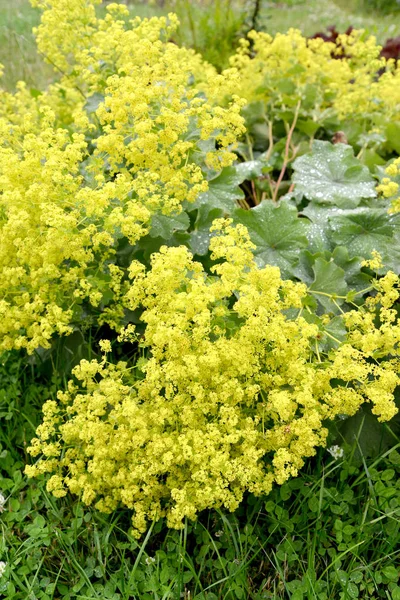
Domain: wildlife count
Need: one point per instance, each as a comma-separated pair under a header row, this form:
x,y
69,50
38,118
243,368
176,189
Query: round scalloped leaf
x,y
329,285
363,231
223,191
278,233
331,174
200,237
164,226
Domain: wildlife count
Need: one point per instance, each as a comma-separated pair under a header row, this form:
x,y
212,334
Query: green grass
x,y
17,45
330,534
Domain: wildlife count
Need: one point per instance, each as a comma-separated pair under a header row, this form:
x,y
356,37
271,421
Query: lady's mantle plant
x,y
125,134
242,370
233,397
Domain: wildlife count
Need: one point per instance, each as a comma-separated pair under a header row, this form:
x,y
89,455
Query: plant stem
x,y
255,14
286,157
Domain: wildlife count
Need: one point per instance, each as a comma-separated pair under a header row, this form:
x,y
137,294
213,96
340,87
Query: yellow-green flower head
x,y
232,398
326,80
89,161
390,188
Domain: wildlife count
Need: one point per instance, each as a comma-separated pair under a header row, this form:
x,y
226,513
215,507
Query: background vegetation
x,y
204,25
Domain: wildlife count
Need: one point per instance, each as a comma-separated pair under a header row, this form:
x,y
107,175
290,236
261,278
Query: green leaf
x,y
313,504
286,86
309,127
342,577
147,245
329,282
277,232
357,232
250,169
355,278
223,191
331,174
373,437
35,93
352,590
372,159
200,237
285,492
356,576
333,334
363,231
319,229
393,136
391,573
396,593
388,474
164,226
93,102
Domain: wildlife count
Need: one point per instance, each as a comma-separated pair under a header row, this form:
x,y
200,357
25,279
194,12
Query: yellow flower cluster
x,y
234,392
126,132
375,262
327,79
233,395
390,188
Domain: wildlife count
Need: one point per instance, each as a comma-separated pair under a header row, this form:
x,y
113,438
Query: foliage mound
x,y
246,321
289,79
124,134
233,397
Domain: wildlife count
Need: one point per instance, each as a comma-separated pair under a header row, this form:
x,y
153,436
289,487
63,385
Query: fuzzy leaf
x,y
331,174
351,265
250,169
93,102
363,231
331,335
223,191
277,231
393,136
200,237
305,268
373,437
164,226
334,334
329,282
147,245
